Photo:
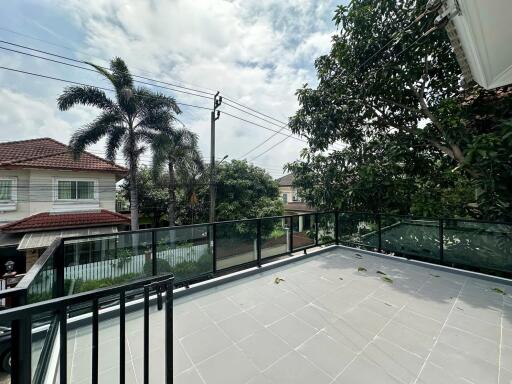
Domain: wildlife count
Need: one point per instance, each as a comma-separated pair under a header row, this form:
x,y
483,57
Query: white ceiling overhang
x,y
484,32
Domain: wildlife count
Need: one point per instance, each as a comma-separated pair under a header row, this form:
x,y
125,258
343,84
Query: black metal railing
x,y
54,316
197,252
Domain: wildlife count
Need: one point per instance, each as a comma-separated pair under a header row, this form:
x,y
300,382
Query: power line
x,y
269,149
86,85
91,69
260,144
84,62
259,125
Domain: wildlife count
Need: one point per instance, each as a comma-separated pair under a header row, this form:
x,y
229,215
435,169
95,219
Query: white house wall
x,y
36,190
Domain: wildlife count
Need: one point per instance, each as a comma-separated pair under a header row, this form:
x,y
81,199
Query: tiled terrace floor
x,y
326,322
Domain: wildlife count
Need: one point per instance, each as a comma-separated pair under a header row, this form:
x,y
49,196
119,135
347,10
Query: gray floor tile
x,y
228,367
369,321
433,374
190,322
221,309
480,328
380,307
188,377
506,337
418,322
181,362
408,338
363,371
205,343
505,376
394,360
264,348
316,316
240,326
327,354
350,335
470,344
463,365
295,369
267,313
292,330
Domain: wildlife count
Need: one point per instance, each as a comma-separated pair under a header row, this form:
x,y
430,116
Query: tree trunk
x,y
172,195
134,196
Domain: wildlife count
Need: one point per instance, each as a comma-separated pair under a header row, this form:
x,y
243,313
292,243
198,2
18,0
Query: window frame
x,y
14,189
76,199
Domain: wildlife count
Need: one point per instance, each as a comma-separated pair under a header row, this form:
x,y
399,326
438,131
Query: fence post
x,y
441,241
59,267
379,226
214,248
336,227
258,242
21,345
153,253
316,228
291,234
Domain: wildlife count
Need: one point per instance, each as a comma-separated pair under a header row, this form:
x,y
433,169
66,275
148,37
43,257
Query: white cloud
x,y
256,51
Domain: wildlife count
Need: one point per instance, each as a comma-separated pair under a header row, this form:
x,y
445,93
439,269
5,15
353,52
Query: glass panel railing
x,y
407,236
326,228
275,236
44,283
359,229
304,231
235,243
186,252
103,261
478,244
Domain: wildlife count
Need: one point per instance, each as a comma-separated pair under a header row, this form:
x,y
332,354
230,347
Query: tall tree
x,y
177,149
127,122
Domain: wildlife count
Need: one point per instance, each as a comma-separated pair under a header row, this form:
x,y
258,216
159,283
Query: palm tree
x,y
133,117
177,149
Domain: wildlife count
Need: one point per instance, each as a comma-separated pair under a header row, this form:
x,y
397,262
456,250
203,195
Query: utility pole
x,y
217,101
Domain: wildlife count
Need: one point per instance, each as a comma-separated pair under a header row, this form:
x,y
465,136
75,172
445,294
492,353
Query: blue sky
x,y
255,51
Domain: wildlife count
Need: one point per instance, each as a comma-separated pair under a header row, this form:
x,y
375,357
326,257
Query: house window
x,y
75,190
285,198
6,189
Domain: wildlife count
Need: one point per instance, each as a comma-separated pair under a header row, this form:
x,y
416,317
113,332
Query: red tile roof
x,y
45,221
50,154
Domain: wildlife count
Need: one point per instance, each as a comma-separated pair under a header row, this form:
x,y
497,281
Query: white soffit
x,y
484,29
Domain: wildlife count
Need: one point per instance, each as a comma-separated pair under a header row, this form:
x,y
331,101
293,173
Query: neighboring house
x,y
293,204
45,193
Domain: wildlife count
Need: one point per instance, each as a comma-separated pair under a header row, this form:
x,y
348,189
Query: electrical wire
x,y
85,62
93,70
86,85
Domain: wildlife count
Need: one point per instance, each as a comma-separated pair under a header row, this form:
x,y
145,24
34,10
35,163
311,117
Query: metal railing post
x,y
214,248
258,242
153,253
379,226
316,228
59,267
441,241
21,350
291,234
168,331
336,228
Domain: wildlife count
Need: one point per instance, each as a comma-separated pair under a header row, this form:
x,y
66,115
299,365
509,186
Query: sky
x,y
256,52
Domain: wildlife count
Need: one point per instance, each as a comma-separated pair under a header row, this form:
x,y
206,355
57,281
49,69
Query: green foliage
x,y
244,191
414,142
190,269
134,116
153,196
162,266
89,285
